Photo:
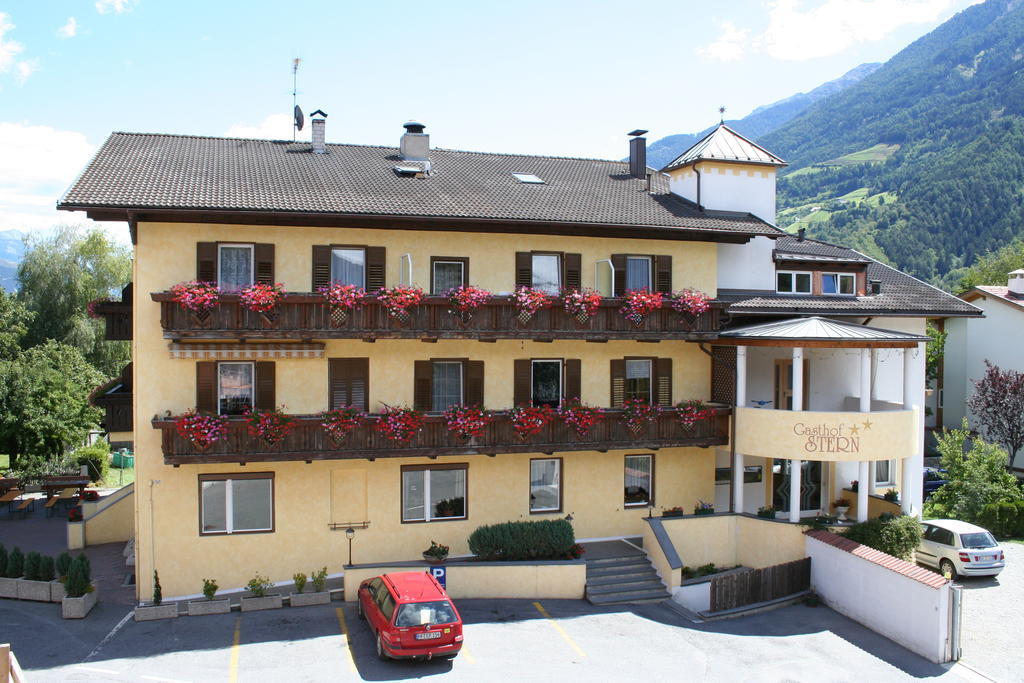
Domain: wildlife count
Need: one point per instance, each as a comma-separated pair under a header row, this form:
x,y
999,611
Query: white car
x,y
957,548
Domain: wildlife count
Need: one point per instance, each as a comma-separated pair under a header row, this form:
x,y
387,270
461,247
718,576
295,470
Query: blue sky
x,y
564,78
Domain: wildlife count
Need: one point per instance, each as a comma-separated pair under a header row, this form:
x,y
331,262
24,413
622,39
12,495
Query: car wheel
x,y
359,609
381,654
947,569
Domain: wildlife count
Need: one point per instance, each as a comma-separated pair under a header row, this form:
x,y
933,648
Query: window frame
x,y
650,493
839,277
434,260
427,519
228,499
559,270
650,376
252,365
650,271
561,487
889,481
251,247
343,247
561,378
434,362
794,273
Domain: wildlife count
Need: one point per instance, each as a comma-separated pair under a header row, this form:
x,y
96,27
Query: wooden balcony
x,y
309,441
307,316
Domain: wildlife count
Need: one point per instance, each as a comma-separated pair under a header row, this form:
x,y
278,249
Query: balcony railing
x,y
118,318
309,441
307,315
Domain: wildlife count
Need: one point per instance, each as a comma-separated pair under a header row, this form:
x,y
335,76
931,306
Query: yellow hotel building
x,y
810,355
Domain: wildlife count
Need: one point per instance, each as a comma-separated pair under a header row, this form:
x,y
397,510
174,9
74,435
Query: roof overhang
x,y
818,332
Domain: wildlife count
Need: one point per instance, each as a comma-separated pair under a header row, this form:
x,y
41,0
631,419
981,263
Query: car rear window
x,y
981,539
423,613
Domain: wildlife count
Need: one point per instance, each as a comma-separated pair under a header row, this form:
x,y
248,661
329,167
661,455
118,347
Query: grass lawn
x,y
5,461
879,152
117,478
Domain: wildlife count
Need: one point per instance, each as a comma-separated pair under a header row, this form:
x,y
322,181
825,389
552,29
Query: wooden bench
x,y
27,505
51,503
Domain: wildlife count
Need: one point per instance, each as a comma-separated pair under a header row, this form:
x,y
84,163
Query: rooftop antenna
x,y
296,112
721,114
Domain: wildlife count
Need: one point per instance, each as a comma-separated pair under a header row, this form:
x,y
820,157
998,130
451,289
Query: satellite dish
x,y
299,119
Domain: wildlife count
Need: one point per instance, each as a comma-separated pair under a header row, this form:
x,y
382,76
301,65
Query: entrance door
x,y
810,485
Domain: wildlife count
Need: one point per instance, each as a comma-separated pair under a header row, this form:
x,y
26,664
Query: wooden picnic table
x,y
8,483
11,496
53,485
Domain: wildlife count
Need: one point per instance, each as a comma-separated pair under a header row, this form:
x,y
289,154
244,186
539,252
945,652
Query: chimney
x,y
800,234
1016,282
319,132
638,154
415,144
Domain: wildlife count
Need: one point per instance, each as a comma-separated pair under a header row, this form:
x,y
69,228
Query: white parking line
x,y
162,680
96,670
106,638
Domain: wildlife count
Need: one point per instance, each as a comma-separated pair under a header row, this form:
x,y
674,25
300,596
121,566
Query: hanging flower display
x,y
466,299
578,415
399,299
638,413
399,424
581,303
340,421
196,296
345,297
201,430
467,422
693,411
691,302
529,300
270,425
528,420
90,308
639,304
261,297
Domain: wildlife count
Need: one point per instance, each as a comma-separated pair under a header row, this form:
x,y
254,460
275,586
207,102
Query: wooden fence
x,y
751,586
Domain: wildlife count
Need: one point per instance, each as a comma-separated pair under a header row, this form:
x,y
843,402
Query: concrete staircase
x,y
623,578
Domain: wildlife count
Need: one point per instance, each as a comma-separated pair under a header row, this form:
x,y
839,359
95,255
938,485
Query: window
x,y
838,283
348,266
546,485
528,178
639,480
234,271
789,282
348,382
386,603
546,273
883,472
433,492
424,613
638,272
447,273
234,388
242,503
546,383
447,385
441,383
751,474
638,380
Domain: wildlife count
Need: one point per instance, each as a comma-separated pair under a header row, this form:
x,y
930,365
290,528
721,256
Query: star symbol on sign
x,y
867,425
854,429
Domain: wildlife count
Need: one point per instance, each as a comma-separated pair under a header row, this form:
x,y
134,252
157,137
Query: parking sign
x,y
441,574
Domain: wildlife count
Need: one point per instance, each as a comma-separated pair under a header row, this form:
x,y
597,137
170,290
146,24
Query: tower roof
x,y
725,144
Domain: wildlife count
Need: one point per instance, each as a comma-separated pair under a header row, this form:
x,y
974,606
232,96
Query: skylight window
x,y
528,178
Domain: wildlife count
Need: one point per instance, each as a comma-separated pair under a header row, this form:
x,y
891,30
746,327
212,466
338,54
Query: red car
x,y
411,616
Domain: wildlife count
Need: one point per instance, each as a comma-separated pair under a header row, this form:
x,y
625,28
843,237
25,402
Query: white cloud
x,y
115,6
730,46
274,127
9,49
25,69
69,29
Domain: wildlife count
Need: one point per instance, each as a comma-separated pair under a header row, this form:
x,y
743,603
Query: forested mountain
x,y
759,122
12,249
922,162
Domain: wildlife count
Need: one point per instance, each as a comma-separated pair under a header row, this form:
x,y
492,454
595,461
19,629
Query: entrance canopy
x,y
818,332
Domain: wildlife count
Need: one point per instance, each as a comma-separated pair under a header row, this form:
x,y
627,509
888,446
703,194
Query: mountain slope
x,y
761,121
12,249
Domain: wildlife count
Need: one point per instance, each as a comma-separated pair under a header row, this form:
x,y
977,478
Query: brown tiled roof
x,y
907,569
1002,293
153,172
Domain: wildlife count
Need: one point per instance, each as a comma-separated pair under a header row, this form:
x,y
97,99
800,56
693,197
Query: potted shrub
x,y
81,595
672,512
702,508
891,495
436,553
13,570
766,511
63,565
318,596
156,610
842,506
258,586
208,605
261,297
32,586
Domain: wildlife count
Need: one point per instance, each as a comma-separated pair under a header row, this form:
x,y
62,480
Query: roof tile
x,y
907,569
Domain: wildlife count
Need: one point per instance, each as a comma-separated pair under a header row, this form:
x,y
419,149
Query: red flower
x,y
399,424
340,421
202,430
638,413
529,300
528,420
578,415
690,301
261,297
196,296
75,515
347,297
467,421
581,302
270,425
398,299
640,302
467,298
693,411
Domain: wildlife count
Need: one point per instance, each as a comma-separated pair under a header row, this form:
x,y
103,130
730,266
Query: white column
x,y
864,470
741,401
907,486
862,490
798,404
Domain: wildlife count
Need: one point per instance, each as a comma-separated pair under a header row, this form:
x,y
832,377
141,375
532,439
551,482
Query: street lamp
x,y
350,533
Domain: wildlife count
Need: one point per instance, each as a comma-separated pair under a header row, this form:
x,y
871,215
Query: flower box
x,y
33,590
78,608
154,612
198,608
307,599
8,587
57,591
266,602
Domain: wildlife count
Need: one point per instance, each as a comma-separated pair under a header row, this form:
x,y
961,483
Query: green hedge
x,y
95,457
1003,519
542,540
898,536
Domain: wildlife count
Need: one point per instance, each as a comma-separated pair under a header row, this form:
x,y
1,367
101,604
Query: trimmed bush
x,y
898,536
95,457
3,560
32,566
63,565
158,591
46,568
1003,519
77,583
15,564
541,540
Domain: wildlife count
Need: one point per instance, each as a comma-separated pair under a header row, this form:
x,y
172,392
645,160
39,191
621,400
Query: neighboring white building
x,y
971,342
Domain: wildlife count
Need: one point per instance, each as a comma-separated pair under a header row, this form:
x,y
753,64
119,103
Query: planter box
x,y
78,608
57,592
197,608
8,587
268,602
306,599
34,590
153,612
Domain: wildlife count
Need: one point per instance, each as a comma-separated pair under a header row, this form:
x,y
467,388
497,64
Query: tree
x,y
975,478
14,321
998,407
58,277
44,401
992,268
935,350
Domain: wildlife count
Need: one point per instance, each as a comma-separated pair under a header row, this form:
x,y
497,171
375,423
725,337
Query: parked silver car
x,y
957,548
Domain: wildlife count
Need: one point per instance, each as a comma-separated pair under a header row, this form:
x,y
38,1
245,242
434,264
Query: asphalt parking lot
x,y
993,620
505,639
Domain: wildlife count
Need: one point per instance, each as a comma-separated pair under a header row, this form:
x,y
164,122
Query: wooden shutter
x,y
423,385
321,266
522,384
663,274
376,274
572,378
473,392
572,271
263,266
348,382
524,269
206,261
618,275
206,387
266,393
662,390
618,382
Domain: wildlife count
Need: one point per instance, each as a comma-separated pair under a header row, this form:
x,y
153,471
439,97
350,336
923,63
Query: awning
x,y
821,332
245,351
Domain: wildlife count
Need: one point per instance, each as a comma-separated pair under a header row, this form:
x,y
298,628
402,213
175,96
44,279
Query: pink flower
x,y
196,296
690,301
640,302
270,425
529,300
578,415
202,430
581,301
467,298
340,421
467,421
528,420
398,299
261,297
638,413
399,424
347,297
690,412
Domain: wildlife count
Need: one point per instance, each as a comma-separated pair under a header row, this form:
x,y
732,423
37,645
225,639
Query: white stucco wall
x,y
730,187
954,371
900,608
753,493
747,266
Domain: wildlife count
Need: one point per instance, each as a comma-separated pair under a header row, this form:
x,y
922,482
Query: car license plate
x,y
428,635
